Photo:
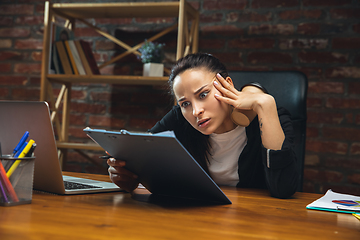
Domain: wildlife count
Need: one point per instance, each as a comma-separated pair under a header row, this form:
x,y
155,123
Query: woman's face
x,y
194,91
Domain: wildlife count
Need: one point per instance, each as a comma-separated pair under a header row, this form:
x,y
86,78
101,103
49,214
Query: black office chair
x,y
289,88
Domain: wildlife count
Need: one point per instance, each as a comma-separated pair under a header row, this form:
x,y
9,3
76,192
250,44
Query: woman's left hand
x,y
246,100
263,104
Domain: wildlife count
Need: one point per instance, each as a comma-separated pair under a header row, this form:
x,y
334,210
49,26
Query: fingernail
x,y
217,95
219,75
216,83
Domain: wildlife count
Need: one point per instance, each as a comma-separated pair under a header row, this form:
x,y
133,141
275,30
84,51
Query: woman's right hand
x,y
122,177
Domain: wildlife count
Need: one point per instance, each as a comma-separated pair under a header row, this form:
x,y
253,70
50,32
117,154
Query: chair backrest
x,y
289,88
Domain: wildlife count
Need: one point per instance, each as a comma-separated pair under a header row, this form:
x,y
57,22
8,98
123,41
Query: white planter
x,y
153,70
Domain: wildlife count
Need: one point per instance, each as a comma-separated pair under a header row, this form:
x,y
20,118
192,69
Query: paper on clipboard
x,y
336,202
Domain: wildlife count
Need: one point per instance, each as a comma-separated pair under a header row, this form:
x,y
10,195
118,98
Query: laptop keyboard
x,y
72,185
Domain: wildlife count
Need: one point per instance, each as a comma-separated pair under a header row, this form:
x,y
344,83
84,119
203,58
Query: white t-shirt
x,y
225,151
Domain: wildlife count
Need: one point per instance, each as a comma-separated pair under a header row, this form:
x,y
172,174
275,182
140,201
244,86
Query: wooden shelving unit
x,y
125,79
187,42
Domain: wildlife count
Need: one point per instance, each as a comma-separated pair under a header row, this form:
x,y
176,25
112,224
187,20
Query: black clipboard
x,y
161,163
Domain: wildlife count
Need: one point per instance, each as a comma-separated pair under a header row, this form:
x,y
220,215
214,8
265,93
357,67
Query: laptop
x,y
161,163
17,117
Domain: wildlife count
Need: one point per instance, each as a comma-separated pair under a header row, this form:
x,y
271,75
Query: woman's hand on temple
x,y
244,100
122,177
263,104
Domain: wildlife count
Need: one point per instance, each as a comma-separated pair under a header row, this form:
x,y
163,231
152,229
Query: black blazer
x,y
257,167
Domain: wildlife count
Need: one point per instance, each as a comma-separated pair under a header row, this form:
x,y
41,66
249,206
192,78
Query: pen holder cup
x,y
19,186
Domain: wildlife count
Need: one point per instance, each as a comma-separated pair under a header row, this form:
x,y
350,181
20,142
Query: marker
x,y
31,151
22,140
3,192
1,186
17,162
7,184
17,154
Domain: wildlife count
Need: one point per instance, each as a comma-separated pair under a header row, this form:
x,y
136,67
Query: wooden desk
x,y
253,215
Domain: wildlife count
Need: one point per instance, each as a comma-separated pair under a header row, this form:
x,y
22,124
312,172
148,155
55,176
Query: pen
x,y
29,154
22,154
31,151
22,140
7,184
1,186
20,149
3,192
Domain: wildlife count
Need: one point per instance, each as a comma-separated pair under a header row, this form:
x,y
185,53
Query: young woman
x,y
257,156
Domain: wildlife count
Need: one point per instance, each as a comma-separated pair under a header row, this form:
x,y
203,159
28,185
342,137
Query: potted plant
x,y
152,55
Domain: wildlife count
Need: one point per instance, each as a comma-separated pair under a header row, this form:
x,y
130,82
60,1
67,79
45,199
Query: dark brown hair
x,y
195,142
197,60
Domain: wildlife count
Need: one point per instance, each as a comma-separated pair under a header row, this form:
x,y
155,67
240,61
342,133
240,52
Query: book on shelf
x,y
71,58
56,60
83,59
64,58
75,55
58,33
90,57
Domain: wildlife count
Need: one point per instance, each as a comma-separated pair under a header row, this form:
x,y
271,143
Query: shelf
x,y
80,146
187,42
120,10
111,79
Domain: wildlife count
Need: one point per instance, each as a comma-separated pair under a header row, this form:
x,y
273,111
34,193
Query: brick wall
x,y
320,38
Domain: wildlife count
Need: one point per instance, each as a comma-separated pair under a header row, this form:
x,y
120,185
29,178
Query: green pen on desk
x,y
22,154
